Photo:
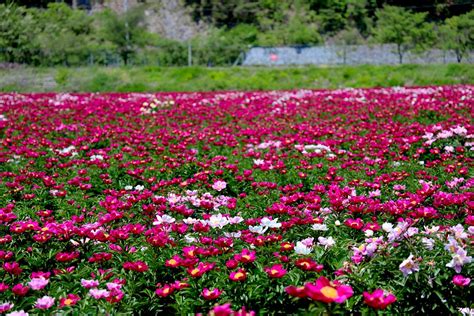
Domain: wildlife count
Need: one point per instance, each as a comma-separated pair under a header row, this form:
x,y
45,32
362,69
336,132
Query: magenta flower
x,y
379,299
460,280
221,310
275,271
210,294
327,291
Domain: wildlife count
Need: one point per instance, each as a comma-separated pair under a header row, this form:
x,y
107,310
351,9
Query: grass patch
x,y
153,79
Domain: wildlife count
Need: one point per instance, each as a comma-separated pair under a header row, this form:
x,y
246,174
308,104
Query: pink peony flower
x,y
98,293
219,185
6,307
38,283
18,313
44,302
88,284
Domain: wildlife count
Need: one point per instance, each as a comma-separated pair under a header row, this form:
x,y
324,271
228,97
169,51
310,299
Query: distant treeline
x,y
51,33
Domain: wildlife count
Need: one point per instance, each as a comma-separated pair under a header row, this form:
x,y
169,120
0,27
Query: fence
x,y
350,55
183,54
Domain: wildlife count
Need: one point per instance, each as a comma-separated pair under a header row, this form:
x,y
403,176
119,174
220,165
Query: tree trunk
x,y
400,53
458,55
74,4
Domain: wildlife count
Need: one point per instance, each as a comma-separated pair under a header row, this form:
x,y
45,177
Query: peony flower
x,y
218,221
221,310
302,249
308,264
259,229
459,259
296,291
379,299
18,313
69,300
38,283
20,290
137,266
326,291
246,256
239,275
160,219
5,307
460,280
98,293
210,294
320,227
408,266
270,223
44,302
275,271
356,223
164,291
219,185
88,284
326,242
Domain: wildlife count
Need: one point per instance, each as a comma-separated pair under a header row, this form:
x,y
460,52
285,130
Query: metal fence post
x,y
190,55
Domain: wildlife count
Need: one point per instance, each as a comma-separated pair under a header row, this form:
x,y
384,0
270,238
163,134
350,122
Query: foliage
x,y
52,33
65,34
407,30
18,29
457,33
125,32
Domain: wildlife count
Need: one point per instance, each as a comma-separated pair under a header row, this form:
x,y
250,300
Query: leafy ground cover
x,y
236,203
150,78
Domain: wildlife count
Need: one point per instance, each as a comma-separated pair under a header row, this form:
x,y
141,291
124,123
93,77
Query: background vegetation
x,y
139,79
46,33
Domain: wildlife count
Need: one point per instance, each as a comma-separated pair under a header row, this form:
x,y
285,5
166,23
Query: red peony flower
x,y
69,300
239,275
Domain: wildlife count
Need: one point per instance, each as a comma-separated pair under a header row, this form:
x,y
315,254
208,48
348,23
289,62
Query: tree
x,y
125,31
407,30
65,34
18,28
457,33
345,39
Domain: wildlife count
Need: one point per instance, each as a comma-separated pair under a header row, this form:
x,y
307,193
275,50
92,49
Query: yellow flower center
x,y
273,271
238,275
195,271
329,292
172,262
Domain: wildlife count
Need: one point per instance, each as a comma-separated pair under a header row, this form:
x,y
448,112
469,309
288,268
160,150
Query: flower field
x,y
238,203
